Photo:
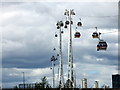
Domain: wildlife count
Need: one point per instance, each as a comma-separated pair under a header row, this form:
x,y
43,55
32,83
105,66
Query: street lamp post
x,y
23,80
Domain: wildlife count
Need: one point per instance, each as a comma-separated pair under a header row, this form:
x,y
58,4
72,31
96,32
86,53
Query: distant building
x,y
116,81
96,84
84,83
27,85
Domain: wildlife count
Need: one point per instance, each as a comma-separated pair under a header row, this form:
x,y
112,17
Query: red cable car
x,y
77,35
95,35
62,32
102,45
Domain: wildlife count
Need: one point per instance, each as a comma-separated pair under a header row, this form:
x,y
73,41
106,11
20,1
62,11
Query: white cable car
x,y
102,45
77,35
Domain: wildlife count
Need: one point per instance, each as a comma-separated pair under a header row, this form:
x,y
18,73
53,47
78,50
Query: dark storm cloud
x,y
29,56
11,79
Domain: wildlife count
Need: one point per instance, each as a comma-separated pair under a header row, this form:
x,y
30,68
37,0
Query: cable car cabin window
x,y
103,43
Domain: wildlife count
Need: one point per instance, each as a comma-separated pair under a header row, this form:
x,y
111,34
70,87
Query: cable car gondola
x,y
58,27
71,22
67,22
79,24
77,35
95,35
56,35
65,26
102,45
54,49
62,32
61,24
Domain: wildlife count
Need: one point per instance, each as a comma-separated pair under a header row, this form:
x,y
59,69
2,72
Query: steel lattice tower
x,y
70,52
61,77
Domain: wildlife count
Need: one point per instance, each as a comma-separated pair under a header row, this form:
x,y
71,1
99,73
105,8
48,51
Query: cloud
x,y
61,1
13,76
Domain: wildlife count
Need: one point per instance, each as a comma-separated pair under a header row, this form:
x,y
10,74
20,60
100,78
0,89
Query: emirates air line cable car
x,y
102,45
77,34
56,35
95,34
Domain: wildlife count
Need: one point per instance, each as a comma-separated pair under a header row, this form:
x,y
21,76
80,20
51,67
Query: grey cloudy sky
x,y
28,40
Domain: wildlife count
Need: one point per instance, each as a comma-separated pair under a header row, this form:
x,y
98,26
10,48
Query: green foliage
x,y
43,84
66,85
